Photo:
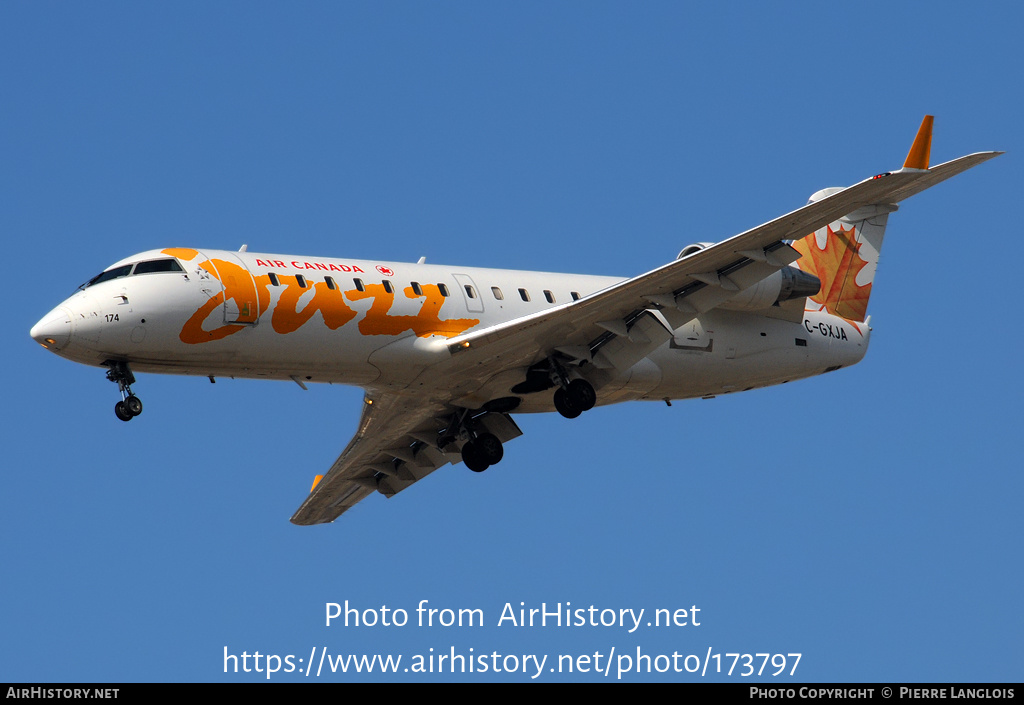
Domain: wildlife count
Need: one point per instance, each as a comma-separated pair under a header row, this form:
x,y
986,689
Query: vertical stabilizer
x,y
844,256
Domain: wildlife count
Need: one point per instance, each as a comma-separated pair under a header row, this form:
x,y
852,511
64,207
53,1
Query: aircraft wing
x,y
615,327
394,446
385,422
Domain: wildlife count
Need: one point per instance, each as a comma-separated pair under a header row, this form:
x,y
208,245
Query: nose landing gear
x,y
130,405
128,408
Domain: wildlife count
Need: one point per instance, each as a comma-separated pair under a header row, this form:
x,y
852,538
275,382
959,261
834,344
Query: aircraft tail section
x,y
844,254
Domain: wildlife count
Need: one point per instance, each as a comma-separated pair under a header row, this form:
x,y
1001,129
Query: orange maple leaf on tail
x,y
837,266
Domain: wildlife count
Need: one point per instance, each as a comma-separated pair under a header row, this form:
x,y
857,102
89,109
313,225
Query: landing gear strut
x,y
130,405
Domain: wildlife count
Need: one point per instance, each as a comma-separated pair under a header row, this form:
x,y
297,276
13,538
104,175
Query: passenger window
x,y
301,280
549,296
575,295
470,291
273,279
416,289
497,293
330,283
443,289
524,294
387,286
359,285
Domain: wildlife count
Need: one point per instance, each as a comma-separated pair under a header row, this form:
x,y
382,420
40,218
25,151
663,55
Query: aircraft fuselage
x,y
368,323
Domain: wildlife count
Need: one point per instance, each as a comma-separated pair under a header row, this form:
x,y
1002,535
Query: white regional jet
x,y
445,354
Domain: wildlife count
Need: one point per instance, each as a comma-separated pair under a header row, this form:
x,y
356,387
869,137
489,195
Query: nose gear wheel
x,y
130,405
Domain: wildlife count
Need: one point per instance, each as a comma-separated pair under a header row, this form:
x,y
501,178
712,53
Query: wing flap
x,y
646,335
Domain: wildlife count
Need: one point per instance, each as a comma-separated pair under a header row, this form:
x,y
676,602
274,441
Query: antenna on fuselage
x,y
243,248
422,260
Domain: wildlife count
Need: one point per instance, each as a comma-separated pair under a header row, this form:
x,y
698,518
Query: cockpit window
x,y
148,267
158,265
115,273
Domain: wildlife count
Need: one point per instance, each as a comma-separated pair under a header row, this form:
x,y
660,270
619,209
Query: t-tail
x,y
844,254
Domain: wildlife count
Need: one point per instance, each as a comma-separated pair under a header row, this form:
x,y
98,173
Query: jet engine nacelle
x,y
695,247
784,285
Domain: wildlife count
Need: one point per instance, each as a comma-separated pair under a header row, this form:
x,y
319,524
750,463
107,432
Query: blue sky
x,y
869,519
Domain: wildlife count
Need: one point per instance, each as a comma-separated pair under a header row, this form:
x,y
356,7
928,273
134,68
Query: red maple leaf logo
x,y
837,266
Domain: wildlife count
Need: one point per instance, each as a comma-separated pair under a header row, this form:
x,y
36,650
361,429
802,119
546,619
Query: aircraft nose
x,y
53,331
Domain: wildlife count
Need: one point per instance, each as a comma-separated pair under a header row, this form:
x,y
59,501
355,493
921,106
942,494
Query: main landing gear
x,y
130,405
575,398
572,397
481,449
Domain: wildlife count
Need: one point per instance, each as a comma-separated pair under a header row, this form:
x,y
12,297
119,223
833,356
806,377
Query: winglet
x,y
921,150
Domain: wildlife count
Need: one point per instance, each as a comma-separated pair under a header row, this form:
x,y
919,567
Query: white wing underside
x,y
385,424
395,444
